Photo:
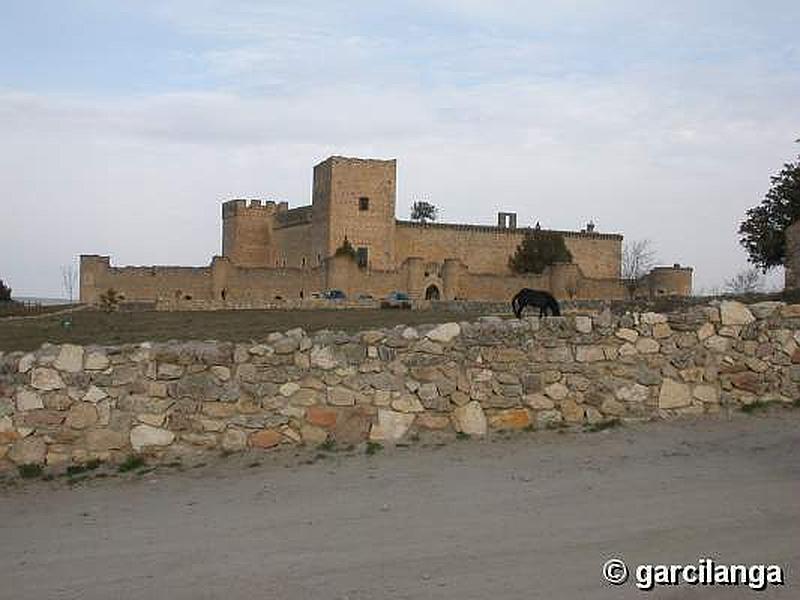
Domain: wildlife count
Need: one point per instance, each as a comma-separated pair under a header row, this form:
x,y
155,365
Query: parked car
x,y
396,300
334,295
365,297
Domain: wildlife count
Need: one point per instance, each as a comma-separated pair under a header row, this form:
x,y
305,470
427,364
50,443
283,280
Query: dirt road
x,y
534,516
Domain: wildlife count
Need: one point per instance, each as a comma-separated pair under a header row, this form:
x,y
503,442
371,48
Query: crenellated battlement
x,y
252,208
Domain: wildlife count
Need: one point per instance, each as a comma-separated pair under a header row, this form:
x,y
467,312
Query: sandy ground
x,y
533,516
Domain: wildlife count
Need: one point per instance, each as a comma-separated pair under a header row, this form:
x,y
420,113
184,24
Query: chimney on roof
x,y
507,220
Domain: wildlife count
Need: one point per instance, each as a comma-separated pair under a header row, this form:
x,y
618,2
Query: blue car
x,y
396,300
334,295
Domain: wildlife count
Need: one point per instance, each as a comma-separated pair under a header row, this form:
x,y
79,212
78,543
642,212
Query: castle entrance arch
x,y
432,293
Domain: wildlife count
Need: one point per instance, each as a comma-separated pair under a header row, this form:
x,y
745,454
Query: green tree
x,y
762,233
5,292
346,249
422,212
537,251
110,300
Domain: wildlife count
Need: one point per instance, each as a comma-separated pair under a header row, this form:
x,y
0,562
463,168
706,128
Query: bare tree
x,y
69,277
638,258
746,281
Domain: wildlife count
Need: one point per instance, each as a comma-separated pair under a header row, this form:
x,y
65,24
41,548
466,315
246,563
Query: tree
x,y
747,281
69,276
638,258
537,251
110,300
423,212
346,249
5,292
762,233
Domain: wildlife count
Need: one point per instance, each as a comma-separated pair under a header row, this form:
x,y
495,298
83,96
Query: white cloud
x,y
483,104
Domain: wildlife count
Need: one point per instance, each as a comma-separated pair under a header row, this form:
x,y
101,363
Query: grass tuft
x,y
131,463
30,471
373,448
602,425
755,407
328,445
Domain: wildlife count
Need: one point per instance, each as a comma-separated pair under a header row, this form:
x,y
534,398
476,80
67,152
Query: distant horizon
x,y
42,299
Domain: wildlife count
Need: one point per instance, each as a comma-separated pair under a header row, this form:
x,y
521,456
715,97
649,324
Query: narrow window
x,y
362,257
363,203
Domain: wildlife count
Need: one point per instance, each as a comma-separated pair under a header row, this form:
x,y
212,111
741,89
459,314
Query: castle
x,y
272,254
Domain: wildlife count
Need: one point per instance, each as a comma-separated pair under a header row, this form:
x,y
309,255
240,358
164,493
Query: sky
x,y
125,124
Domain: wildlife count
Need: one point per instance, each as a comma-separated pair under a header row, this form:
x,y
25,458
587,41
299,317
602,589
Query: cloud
x,y
486,106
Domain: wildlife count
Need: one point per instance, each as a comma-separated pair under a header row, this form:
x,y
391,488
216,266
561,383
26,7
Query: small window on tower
x,y
363,203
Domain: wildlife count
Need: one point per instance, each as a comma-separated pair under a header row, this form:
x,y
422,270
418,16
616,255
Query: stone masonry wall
x,y
486,250
69,404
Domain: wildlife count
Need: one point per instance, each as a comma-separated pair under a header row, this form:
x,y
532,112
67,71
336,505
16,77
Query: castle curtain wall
x,y
269,284
292,245
143,284
273,253
487,249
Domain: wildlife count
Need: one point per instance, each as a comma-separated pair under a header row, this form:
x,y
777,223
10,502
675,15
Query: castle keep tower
x,y
247,238
355,198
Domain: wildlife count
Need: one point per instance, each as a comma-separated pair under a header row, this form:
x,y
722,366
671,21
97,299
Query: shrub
x,y
132,462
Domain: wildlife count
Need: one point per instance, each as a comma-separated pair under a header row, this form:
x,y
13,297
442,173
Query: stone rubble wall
x,y
69,404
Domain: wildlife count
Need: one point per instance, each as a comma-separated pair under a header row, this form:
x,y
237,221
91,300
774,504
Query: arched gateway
x,y
432,293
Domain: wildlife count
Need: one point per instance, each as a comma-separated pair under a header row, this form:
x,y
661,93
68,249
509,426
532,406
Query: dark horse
x,y
543,300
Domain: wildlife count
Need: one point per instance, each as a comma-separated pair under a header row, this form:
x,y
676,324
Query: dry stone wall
x,y
70,404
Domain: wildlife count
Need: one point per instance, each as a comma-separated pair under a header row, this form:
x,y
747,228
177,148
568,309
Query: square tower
x,y
355,198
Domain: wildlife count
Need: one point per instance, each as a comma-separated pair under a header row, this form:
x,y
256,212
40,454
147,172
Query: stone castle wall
x,y
293,247
355,199
226,285
487,249
68,404
143,284
217,286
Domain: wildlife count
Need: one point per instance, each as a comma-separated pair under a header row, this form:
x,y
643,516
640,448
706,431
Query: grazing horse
x,y
543,300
